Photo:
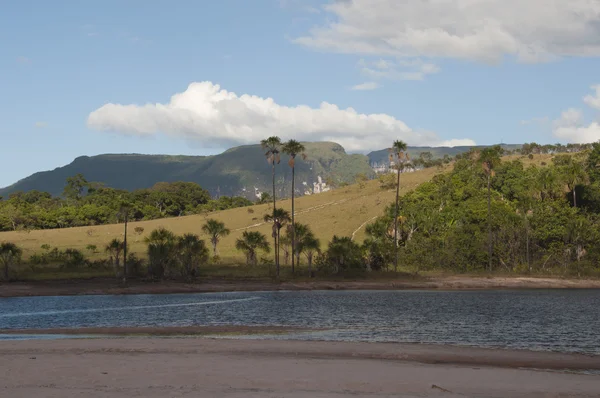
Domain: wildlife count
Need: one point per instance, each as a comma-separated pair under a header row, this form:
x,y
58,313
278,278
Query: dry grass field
x,y
343,211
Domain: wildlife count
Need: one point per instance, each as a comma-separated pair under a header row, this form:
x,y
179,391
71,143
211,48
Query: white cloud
x,y
593,101
458,142
483,30
220,118
400,70
571,125
366,86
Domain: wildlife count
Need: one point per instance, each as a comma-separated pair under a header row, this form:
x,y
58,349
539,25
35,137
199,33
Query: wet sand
x,y
200,367
111,286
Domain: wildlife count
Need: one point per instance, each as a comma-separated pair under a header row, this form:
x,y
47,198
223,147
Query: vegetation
x,y
84,204
487,212
250,243
216,230
293,148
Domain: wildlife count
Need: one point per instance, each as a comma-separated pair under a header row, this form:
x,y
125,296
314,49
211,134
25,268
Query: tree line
x,y
86,203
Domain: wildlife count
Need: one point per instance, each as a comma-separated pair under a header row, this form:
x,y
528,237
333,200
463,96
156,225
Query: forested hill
x,y
235,172
381,156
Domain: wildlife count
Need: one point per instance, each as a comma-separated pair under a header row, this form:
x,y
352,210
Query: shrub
x,y
73,259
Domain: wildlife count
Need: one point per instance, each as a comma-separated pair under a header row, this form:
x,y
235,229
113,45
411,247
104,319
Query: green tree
x,y
161,246
216,230
279,218
250,243
272,146
75,186
574,174
10,254
115,249
306,243
343,254
191,254
398,156
293,148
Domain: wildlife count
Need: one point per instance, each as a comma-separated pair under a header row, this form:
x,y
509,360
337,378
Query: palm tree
x,y
398,156
306,243
161,245
216,230
124,211
272,146
279,218
115,248
574,174
191,253
293,148
10,254
250,243
489,158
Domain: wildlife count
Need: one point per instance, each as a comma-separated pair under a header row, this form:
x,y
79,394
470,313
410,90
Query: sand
x,y
112,286
200,367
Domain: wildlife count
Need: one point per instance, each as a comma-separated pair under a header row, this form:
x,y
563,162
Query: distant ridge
x,y
237,171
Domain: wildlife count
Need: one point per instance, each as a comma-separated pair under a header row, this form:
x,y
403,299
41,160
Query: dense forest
x,y
86,203
489,214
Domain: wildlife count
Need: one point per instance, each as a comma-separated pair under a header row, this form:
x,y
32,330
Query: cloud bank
x,y
571,126
220,118
481,30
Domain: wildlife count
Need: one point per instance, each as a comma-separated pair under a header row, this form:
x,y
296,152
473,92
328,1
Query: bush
x,y
73,259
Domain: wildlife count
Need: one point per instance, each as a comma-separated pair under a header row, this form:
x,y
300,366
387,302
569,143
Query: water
x,y
555,320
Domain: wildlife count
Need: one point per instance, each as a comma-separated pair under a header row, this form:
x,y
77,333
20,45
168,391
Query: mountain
x,y
237,171
381,157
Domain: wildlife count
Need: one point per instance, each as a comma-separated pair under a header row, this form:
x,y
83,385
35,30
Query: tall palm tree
x,y
161,245
279,218
293,148
272,146
250,243
191,252
398,156
124,211
489,158
10,254
216,230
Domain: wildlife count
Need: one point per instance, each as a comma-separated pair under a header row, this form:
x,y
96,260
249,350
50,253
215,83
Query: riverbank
x,y
111,286
191,367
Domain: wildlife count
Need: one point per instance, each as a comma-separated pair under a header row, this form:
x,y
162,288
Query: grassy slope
x,y
343,211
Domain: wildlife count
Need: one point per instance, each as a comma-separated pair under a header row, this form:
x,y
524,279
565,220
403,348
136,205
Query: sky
x,y
197,77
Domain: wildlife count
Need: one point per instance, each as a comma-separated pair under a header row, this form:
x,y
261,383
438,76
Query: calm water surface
x,y
557,320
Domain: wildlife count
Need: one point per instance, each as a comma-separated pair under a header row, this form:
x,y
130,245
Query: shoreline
x,y
430,353
105,286
192,367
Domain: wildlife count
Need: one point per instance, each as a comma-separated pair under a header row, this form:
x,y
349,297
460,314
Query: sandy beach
x,y
112,286
200,367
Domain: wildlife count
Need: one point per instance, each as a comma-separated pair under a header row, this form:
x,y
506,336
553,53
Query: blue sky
x,y
76,76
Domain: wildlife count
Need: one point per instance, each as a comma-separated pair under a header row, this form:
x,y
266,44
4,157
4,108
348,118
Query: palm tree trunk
x,y
309,259
396,219
125,251
274,221
489,223
293,219
574,197
214,243
528,256
6,271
